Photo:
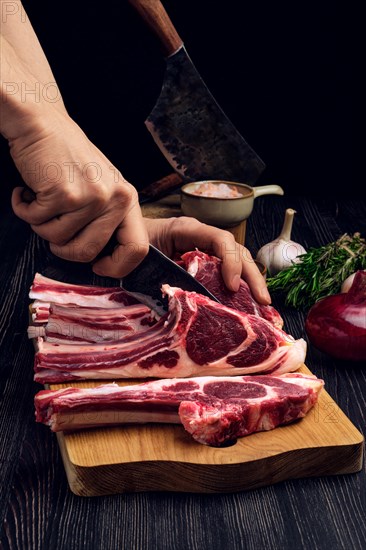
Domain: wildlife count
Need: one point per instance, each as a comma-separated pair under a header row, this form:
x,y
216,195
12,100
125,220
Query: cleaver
x,y
187,124
145,281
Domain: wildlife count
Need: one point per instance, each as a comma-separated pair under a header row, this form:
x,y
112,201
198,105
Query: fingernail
x,y
235,283
266,295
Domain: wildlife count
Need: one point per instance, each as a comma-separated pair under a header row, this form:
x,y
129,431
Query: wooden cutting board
x,y
154,457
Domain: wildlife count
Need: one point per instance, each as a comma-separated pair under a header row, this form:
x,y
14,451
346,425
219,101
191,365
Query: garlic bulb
x,y
282,252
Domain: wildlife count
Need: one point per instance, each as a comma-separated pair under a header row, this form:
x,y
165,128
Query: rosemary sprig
x,y
320,271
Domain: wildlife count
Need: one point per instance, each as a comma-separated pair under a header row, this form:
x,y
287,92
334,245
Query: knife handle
x,y
159,188
154,15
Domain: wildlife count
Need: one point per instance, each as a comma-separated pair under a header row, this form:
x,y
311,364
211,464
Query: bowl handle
x,y
267,190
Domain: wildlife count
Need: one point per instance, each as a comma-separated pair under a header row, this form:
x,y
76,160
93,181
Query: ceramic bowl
x,y
223,212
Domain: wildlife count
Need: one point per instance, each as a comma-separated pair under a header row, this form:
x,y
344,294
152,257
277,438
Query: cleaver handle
x,y
160,188
155,16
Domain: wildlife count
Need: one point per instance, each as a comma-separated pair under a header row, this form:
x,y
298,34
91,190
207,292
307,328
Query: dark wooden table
x,y
38,511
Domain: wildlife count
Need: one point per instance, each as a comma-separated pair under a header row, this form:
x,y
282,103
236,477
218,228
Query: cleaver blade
x,y
187,124
145,281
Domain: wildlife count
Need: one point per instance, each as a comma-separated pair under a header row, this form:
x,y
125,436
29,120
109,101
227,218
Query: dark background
x,y
280,70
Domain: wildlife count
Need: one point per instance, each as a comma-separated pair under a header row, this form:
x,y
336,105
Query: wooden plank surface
x,y
155,457
37,509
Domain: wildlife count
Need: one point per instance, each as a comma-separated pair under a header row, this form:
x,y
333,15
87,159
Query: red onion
x,y
347,283
336,324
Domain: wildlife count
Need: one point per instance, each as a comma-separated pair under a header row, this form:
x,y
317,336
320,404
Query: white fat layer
x,y
193,266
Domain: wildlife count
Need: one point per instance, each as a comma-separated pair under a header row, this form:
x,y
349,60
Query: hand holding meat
x,y
178,235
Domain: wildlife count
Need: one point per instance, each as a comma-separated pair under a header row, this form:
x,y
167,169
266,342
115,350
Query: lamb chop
x,y
214,410
198,337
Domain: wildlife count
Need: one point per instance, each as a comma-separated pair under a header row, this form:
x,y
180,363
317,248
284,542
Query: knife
x,y
145,281
187,124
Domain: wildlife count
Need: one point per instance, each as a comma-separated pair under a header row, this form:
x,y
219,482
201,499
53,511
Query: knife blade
x,y
145,281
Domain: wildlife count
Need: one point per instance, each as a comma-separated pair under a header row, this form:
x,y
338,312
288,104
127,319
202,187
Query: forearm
x,y
28,87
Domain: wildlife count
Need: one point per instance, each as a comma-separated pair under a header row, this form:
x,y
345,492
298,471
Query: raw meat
x,y
198,337
213,410
78,325
207,270
50,290
40,311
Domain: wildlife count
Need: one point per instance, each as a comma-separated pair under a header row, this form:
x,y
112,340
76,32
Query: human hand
x,y
178,235
81,199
